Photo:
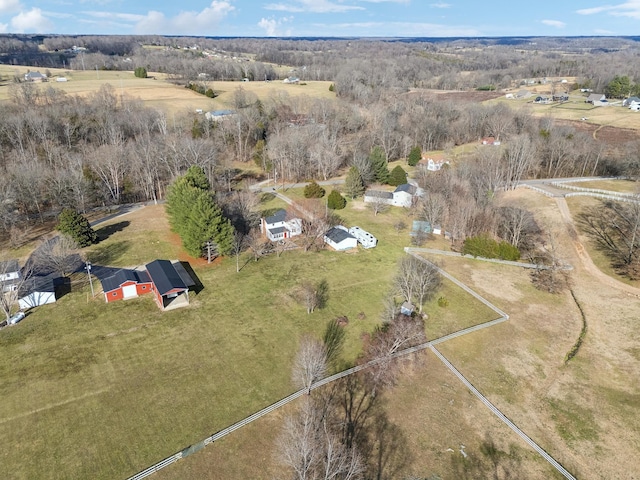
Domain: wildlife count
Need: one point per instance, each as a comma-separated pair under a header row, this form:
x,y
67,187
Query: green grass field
x,y
96,390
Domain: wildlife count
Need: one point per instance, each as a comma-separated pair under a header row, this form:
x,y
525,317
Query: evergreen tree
x,y
619,87
196,177
195,215
379,164
398,176
313,190
415,155
353,184
76,226
181,196
206,222
140,72
335,201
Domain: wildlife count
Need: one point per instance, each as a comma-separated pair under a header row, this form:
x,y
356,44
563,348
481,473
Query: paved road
x,y
268,186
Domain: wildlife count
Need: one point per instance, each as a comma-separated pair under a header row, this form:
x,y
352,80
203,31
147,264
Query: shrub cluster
x,y
208,92
313,190
485,246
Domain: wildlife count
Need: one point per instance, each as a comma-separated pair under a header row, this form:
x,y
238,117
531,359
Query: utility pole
x,y
88,269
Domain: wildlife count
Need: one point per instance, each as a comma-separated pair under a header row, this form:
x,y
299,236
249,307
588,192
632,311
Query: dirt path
x,y
587,263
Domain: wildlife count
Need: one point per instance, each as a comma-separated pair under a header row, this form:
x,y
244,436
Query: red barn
x,y
126,284
171,283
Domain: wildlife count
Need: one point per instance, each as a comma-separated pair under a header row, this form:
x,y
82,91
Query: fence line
x,y
536,189
430,344
412,252
485,259
592,190
503,417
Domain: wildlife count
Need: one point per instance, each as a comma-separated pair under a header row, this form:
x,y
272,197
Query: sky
x,y
322,18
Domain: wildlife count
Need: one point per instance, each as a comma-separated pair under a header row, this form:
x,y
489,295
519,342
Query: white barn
x,y
364,238
340,239
36,291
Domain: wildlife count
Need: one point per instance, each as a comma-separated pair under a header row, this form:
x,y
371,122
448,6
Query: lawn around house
x,y
101,391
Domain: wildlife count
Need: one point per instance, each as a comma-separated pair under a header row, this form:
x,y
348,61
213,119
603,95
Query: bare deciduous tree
x,y
12,281
58,254
258,245
310,364
416,280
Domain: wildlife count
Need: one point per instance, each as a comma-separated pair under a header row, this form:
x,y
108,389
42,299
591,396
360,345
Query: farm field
x,y
154,382
621,186
157,92
581,412
101,391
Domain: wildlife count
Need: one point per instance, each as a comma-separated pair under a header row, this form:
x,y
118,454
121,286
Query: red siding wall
x,y
143,288
113,295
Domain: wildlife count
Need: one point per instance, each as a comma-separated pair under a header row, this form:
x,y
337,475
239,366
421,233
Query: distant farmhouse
x,y
34,77
597,99
489,141
402,196
291,80
217,115
432,164
280,227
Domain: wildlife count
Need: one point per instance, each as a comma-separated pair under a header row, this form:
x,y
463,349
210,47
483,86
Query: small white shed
x,y
340,239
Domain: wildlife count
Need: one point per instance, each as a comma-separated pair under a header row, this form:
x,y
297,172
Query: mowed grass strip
x,y
96,390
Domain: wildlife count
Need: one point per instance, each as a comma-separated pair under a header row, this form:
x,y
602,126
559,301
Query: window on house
x,y
114,294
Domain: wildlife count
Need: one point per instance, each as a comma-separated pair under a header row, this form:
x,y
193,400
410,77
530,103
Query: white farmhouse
x,y
279,227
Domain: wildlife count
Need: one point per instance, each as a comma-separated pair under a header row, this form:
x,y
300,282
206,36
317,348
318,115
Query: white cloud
x,y
313,6
440,5
273,27
383,1
10,6
600,31
31,21
627,9
554,23
127,17
185,23
4,27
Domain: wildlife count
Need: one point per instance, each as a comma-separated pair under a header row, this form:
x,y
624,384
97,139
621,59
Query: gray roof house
x,y
340,239
36,291
9,275
596,99
404,194
34,77
627,102
280,227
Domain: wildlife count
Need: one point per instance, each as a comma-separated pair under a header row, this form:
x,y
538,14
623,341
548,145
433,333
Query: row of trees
x,y
61,150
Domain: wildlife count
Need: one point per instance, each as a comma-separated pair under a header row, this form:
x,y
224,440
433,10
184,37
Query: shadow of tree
x,y
106,254
108,230
492,463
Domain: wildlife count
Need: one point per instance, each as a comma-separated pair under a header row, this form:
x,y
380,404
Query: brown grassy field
x,y
157,92
582,413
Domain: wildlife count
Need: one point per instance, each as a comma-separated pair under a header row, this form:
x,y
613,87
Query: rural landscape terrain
x,y
485,327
